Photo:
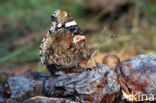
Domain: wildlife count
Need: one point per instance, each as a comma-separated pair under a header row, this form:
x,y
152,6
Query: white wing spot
x,y
59,25
71,23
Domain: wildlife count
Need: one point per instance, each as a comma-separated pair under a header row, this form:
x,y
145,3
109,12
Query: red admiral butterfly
x,y
64,46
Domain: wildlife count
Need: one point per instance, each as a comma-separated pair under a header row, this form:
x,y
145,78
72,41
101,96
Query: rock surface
x,y
42,99
111,61
137,78
24,86
95,85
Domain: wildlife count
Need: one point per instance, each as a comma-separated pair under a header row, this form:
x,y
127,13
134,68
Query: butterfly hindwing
x,y
64,45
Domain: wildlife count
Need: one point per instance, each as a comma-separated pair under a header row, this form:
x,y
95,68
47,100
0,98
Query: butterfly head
x,y
62,19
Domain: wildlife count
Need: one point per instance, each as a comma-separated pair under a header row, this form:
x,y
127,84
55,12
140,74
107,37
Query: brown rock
x,y
137,78
111,61
42,99
24,86
98,84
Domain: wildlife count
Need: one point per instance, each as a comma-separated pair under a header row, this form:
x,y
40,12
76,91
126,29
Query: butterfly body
x,y
64,46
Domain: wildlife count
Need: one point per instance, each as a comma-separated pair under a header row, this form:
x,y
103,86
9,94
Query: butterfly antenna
x,y
105,38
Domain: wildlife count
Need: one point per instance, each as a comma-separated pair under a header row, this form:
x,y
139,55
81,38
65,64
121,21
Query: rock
x,y
1,100
37,76
42,99
7,100
5,93
27,85
1,91
10,100
111,61
98,84
137,78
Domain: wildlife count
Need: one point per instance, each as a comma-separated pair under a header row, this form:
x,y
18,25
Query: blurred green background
x,y
23,23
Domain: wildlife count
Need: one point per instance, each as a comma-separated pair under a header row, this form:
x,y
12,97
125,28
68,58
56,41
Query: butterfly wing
x,y
64,45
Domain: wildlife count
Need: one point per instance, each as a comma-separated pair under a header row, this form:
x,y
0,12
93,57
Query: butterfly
x,y
64,46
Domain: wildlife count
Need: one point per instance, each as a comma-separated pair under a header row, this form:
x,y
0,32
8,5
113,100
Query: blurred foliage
x,y
151,52
134,26
35,14
147,8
